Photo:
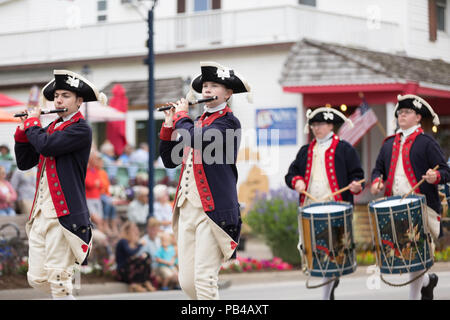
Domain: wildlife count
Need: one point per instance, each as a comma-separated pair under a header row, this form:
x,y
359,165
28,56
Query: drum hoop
x,y
421,199
348,208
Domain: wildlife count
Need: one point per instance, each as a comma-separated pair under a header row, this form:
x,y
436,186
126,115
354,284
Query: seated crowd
x,y
142,249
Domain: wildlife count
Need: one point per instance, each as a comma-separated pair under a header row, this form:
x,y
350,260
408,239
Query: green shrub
x,y
274,217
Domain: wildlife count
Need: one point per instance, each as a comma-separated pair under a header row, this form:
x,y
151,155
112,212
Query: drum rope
x,y
403,284
320,285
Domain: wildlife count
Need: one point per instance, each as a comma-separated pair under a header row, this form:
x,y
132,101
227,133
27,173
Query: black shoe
x,y
427,292
335,284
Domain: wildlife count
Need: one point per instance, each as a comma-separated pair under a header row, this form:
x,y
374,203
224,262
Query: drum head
x,y
396,203
332,208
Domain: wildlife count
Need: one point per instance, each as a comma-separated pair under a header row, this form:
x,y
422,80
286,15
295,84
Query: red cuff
x,y
376,180
166,133
178,116
295,179
30,122
20,136
438,177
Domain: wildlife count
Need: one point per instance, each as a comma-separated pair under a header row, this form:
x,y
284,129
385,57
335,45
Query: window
x,y
311,3
441,6
202,5
102,7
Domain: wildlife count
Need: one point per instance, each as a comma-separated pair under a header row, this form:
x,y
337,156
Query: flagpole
x,y
383,132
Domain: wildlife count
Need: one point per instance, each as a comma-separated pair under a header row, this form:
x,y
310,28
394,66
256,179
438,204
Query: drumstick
x,y
310,196
342,190
418,184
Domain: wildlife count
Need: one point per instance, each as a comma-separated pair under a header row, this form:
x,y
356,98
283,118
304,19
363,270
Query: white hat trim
x,y
225,72
101,97
329,114
418,102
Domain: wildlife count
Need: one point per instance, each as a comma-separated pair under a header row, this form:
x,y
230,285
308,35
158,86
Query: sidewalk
x,y
255,248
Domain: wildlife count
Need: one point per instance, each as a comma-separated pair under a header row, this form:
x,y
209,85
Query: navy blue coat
x,y
343,167
424,153
219,192
66,152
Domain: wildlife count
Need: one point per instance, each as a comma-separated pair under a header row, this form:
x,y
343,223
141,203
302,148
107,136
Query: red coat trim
x,y
166,133
309,160
295,179
30,122
329,167
407,166
54,185
20,136
199,173
438,177
178,116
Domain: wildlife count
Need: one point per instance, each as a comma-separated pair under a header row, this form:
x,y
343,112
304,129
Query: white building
x,y
255,37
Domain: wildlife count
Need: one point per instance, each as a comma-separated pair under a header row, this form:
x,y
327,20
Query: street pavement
x,y
363,284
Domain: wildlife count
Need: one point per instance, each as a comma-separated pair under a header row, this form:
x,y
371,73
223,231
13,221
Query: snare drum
x,y
398,231
326,239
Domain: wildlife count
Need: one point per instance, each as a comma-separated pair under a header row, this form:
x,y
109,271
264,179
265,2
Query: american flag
x,y
363,120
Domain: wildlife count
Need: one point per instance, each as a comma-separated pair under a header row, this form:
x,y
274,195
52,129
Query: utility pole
x,y
151,103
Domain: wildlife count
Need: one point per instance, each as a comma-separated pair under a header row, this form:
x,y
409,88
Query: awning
x,y
6,101
335,74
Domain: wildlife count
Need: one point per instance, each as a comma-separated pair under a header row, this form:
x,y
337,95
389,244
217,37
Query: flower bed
x,y
249,265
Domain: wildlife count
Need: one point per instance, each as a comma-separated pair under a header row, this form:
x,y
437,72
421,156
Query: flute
x,y
190,103
42,112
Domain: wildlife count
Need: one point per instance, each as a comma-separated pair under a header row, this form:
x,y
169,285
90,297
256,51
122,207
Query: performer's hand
x,y
376,187
300,186
35,113
430,176
22,119
355,187
182,105
168,121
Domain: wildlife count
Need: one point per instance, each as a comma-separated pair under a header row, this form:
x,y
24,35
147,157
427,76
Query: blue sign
x,y
276,126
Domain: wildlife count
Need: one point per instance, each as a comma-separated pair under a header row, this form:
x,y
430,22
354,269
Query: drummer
x,y
324,166
402,170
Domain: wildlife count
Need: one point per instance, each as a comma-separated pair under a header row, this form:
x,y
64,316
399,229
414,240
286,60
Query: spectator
x,y
124,158
133,268
162,210
138,208
166,257
151,240
107,152
93,189
141,155
109,210
5,153
24,182
7,195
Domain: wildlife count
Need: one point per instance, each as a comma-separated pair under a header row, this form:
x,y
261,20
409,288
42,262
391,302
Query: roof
x,y
166,90
311,62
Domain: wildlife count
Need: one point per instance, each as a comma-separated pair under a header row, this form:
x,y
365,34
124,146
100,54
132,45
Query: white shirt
x,y
215,109
326,141
407,132
66,118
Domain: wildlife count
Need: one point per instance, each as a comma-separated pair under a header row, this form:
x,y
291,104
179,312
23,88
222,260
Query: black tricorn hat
x,y
418,104
212,71
325,114
71,81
